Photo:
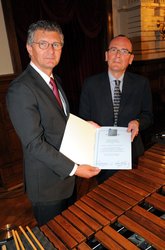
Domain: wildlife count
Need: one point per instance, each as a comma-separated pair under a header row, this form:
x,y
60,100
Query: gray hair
x,y
43,25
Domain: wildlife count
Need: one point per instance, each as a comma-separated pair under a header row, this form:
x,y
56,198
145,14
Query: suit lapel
x,y
105,104
46,89
106,90
126,92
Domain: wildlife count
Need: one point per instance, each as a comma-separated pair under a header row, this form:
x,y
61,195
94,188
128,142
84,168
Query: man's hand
x,y
87,171
133,127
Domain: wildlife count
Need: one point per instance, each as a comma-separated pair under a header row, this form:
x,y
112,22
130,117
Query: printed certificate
x,y
113,148
104,147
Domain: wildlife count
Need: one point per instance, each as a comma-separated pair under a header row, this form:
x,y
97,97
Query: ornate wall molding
x,y
138,19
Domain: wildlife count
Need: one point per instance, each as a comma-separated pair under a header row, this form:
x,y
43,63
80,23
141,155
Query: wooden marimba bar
x,y
127,211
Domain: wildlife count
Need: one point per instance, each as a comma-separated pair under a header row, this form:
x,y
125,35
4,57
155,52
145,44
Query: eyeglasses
x,y
114,50
45,45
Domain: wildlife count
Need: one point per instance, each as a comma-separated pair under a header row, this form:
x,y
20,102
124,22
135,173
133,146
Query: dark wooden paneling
x,y
154,70
10,146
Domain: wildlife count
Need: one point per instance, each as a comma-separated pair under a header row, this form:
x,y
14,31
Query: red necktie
x,y
55,91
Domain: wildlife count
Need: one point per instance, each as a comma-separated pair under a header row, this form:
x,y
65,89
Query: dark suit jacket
x,y
136,103
40,124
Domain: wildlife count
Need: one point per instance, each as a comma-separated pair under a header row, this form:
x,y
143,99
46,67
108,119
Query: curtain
x,y
84,24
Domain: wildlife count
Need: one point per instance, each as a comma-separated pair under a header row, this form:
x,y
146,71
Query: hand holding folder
x,y
104,147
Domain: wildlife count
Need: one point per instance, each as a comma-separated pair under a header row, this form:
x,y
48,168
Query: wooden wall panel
x,y
11,169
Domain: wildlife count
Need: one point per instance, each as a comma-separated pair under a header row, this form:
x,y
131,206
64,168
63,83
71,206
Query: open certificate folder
x,y
104,147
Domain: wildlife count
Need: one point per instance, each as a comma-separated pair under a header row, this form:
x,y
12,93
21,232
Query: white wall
x,y
5,57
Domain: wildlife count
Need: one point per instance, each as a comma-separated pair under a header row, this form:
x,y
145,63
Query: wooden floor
x,y
15,207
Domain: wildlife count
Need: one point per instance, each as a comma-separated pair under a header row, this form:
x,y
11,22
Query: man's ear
x,y
29,49
131,59
106,56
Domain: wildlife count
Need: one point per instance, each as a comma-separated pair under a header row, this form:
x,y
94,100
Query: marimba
x,y
126,212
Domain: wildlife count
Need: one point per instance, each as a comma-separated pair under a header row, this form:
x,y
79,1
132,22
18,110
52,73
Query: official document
x,y
104,147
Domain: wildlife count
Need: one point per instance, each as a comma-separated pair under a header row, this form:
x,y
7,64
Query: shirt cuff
x,y
73,170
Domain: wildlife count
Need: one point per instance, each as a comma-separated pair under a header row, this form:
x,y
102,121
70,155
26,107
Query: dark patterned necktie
x,y
116,101
55,91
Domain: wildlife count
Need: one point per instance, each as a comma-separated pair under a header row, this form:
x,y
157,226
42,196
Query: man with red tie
x,y
40,122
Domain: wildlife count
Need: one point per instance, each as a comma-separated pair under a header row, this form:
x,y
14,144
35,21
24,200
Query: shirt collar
x,y
42,74
112,78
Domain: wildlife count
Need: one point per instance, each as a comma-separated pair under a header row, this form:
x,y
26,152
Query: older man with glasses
x,y
39,111
118,97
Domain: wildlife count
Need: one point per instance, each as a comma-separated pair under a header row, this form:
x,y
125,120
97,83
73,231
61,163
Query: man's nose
x,y
118,52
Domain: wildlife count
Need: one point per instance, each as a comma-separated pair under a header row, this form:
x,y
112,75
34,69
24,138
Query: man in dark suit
x,y
40,123
135,106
